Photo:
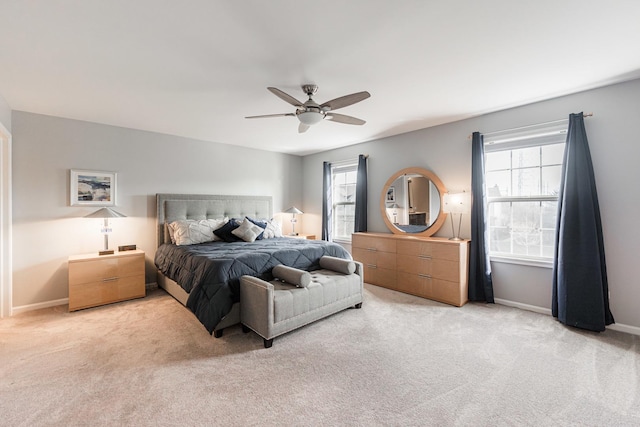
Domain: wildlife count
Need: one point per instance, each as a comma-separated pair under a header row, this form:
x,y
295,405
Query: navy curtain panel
x,y
480,281
580,288
326,201
361,195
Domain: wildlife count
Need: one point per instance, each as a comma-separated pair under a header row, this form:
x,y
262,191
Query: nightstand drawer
x,y
83,295
108,268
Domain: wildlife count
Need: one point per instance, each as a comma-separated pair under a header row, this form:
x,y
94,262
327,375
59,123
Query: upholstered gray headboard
x,y
172,207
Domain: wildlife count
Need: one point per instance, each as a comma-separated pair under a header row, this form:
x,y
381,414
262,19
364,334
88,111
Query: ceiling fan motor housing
x,y
310,112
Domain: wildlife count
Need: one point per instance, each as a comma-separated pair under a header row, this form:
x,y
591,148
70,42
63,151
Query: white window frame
x,y
341,167
526,137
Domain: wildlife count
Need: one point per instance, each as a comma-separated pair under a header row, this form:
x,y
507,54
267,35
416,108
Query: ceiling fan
x,y
310,113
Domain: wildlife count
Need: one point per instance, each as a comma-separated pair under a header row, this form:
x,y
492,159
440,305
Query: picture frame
x,y
391,194
92,188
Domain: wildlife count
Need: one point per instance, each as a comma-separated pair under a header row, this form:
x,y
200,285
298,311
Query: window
x,y
343,180
522,177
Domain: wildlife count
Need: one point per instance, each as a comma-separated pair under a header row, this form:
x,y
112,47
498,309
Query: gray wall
x,y
446,150
46,230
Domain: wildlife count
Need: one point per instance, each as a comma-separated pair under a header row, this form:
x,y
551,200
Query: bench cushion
x,y
326,287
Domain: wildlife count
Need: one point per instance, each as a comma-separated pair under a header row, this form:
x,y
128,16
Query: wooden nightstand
x,y
102,279
304,236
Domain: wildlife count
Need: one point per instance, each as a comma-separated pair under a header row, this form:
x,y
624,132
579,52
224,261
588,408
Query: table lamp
x,y
293,211
105,213
395,207
458,203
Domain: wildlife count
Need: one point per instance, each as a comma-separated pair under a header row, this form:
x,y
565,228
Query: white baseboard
x,y
62,301
522,306
633,330
38,306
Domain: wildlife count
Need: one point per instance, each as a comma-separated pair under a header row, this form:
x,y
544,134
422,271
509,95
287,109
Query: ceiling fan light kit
x,y
310,113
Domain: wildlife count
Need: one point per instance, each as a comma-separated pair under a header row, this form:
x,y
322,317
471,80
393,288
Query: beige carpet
x,y
400,360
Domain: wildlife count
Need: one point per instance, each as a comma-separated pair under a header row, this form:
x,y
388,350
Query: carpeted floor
x,y
400,360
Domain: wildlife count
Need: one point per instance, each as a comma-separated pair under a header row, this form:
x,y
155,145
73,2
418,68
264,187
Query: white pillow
x,y
273,229
247,231
191,232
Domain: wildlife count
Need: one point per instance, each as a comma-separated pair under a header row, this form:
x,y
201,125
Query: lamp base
x,y
107,252
456,239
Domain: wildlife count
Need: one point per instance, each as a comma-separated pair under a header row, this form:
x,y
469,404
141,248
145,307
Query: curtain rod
x,y
530,126
348,161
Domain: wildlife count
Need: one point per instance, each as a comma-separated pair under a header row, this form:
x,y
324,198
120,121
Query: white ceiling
x,y
196,68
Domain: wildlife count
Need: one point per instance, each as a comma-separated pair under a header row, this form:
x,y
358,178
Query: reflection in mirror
x,y
412,202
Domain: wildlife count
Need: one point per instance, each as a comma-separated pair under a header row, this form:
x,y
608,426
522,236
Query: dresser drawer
x,y
83,295
108,268
374,258
448,292
414,264
380,276
438,250
446,270
373,243
415,284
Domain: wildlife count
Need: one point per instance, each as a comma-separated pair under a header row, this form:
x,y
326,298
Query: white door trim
x,y
6,272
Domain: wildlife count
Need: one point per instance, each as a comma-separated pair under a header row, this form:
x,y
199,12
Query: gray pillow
x,y
292,275
338,265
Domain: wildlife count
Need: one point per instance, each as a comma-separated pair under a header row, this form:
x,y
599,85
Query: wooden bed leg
x,y
358,305
217,333
268,343
245,329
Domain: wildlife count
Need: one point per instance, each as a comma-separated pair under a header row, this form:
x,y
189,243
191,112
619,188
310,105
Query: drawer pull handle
x,y
372,249
110,279
426,276
424,256
372,266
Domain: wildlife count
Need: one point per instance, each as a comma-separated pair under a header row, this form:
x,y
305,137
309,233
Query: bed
x,y
205,277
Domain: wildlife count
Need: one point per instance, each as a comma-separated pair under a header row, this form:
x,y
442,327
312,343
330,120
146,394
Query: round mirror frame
x,y
435,226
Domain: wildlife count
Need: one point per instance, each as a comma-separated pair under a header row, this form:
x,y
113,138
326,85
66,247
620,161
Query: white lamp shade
x,y
457,203
293,210
105,213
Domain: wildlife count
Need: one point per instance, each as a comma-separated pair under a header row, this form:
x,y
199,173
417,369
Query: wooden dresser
x,y
429,267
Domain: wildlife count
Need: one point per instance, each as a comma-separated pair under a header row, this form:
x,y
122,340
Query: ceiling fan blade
x,y
270,115
345,101
341,118
285,97
302,128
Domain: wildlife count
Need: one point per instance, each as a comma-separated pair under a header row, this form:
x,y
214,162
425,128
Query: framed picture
x,y
391,195
92,188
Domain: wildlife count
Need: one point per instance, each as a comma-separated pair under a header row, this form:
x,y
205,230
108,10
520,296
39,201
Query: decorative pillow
x,y
259,223
273,229
225,232
191,232
247,231
168,233
292,275
338,265
216,224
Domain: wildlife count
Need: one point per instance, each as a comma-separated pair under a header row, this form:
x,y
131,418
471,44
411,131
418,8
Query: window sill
x,y
522,261
343,241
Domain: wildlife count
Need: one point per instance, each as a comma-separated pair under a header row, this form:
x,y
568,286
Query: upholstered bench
x,y
296,298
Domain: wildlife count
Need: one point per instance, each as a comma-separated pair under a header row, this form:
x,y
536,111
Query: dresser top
x,y
413,238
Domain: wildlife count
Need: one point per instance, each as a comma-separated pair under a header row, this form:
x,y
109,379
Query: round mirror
x,y
411,202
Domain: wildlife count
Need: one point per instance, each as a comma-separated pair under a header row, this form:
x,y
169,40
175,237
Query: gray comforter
x,y
210,272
